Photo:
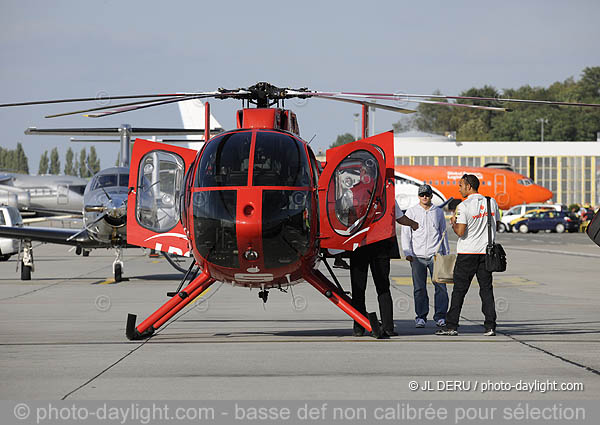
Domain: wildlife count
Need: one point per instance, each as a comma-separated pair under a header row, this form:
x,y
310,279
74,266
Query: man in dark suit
x,y
377,256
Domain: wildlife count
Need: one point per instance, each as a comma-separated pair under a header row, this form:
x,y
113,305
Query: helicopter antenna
x,y
311,139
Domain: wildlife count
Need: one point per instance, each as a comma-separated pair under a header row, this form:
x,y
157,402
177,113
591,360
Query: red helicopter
x,y
254,207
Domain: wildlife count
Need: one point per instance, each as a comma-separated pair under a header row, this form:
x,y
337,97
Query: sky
x,y
65,49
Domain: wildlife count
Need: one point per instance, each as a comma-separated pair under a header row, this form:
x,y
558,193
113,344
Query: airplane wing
x,y
49,235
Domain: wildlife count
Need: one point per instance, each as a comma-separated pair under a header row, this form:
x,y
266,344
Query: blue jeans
x,y
419,266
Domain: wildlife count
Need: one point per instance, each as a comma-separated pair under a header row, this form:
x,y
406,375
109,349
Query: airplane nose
x,y
543,194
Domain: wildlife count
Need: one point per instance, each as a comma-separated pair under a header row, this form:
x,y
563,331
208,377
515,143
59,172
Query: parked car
x,y
555,221
9,216
519,211
514,225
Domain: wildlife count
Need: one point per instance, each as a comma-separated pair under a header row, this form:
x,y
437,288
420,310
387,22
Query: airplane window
x,y
105,180
525,182
441,181
124,180
225,161
279,160
2,219
78,188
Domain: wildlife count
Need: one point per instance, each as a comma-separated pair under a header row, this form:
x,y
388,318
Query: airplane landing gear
x,y
27,261
118,265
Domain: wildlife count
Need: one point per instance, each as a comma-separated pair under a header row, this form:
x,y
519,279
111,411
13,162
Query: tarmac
x,y
62,334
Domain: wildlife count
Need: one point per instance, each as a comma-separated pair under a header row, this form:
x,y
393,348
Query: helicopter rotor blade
x,y
143,106
100,108
370,104
407,97
102,98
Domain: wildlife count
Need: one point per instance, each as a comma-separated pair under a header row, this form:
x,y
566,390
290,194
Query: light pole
x,y
542,121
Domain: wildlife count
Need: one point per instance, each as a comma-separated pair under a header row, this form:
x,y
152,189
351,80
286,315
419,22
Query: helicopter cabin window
x,y
224,161
351,192
215,226
159,186
286,223
279,160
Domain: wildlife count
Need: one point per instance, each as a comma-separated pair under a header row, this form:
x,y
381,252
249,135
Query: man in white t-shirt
x,y
470,223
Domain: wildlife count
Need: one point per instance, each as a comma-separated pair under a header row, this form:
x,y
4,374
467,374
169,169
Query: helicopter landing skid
x,y
333,293
168,309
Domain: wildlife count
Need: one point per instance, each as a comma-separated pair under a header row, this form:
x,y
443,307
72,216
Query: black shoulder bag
x,y
495,257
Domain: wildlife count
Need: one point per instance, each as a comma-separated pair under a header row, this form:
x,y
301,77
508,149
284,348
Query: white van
x,y
520,210
9,216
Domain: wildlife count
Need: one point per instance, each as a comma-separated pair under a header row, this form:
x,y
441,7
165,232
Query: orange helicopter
x,y
254,207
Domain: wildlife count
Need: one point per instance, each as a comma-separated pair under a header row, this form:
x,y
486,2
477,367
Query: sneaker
x,y
391,333
419,323
489,332
447,331
440,323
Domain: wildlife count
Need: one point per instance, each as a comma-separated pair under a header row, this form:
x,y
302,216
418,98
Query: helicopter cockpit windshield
x,y
280,164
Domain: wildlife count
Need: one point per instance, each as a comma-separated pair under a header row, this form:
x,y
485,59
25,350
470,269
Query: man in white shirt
x,y
470,223
419,248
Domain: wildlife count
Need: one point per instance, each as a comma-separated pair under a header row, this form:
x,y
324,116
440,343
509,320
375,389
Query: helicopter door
x,y
356,193
156,181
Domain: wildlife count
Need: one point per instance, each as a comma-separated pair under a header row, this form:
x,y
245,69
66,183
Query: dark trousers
x,y
467,266
376,257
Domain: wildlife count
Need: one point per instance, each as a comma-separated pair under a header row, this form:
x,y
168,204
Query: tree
x,y
69,169
83,171
43,168
54,162
342,139
93,160
522,123
22,161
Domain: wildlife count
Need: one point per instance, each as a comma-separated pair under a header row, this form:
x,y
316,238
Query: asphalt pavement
x,y
62,334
